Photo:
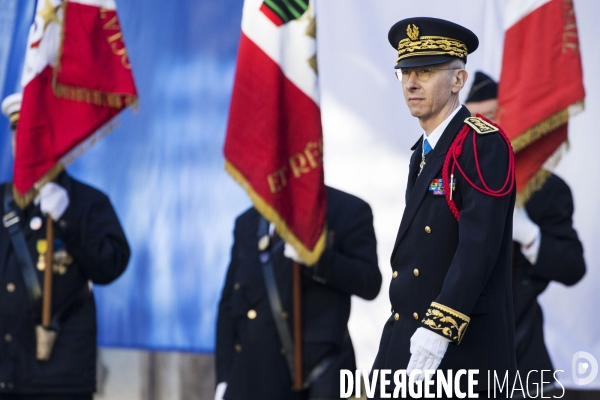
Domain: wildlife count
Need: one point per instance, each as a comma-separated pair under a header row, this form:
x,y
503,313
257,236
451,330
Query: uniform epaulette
x,y
480,126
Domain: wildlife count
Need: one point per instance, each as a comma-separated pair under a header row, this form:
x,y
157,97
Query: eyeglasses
x,y
423,74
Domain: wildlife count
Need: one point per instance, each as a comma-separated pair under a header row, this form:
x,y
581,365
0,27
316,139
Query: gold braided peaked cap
x,y
429,41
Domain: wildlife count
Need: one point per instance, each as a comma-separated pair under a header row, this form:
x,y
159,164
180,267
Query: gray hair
x,y
457,63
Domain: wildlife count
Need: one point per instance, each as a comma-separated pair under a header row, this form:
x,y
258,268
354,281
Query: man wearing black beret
x,y
450,293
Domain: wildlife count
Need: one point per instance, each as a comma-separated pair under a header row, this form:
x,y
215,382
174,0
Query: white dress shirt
x,y
434,136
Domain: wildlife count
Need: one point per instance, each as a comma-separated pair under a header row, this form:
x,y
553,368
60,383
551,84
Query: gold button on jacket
x,y
10,287
396,316
415,316
427,229
416,272
251,314
395,274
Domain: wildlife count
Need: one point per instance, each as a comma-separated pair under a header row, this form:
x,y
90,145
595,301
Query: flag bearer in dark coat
x,y
450,293
546,248
89,246
250,356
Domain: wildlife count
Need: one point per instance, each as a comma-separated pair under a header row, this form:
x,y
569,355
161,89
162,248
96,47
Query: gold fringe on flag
x,y
23,200
541,176
310,257
85,95
534,184
549,124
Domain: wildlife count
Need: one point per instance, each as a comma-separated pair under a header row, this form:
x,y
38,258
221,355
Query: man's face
x,y
426,99
487,108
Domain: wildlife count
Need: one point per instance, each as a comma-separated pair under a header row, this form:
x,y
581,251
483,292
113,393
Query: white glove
x,y
290,252
220,392
427,349
524,229
54,200
527,234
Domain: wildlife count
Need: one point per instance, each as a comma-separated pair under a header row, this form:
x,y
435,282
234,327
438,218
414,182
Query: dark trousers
x,y
46,397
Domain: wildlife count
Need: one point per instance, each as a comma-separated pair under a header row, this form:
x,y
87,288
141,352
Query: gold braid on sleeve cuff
x,y
446,321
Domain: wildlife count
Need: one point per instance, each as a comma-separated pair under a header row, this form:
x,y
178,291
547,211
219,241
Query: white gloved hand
x,y
427,349
290,252
525,231
54,200
220,391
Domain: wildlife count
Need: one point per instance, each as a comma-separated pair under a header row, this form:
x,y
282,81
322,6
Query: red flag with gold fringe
x,y
541,86
76,78
274,144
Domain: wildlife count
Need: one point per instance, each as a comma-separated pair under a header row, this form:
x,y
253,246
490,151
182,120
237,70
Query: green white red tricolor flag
x,y
76,78
274,144
541,86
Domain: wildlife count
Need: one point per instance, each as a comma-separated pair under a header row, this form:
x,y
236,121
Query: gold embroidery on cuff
x,y
444,319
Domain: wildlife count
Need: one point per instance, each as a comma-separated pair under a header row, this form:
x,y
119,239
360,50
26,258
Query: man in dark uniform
x,y
450,294
250,357
546,248
89,246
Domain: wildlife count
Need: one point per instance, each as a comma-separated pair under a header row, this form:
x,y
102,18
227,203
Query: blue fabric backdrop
x,y
162,167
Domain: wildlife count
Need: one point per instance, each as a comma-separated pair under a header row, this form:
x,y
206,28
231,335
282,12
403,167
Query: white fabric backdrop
x,y
369,131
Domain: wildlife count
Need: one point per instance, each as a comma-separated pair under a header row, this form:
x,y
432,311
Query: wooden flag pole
x,y
297,305
48,270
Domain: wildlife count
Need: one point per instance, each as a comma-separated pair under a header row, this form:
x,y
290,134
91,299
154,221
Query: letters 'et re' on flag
x,y
274,143
541,86
76,78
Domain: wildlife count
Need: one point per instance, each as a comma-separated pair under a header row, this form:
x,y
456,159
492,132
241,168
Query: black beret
x,y
484,88
428,41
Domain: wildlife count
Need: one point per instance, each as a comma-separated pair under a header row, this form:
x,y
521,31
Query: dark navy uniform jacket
x,y
90,233
560,259
248,350
454,277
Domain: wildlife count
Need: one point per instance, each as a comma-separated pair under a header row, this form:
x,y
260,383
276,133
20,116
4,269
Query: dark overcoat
x,y
560,259
94,248
248,351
